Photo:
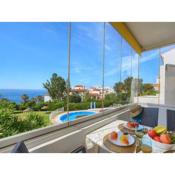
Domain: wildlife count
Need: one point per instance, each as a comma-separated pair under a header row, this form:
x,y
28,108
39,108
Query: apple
x,y
132,124
124,139
152,133
165,138
114,135
129,124
157,138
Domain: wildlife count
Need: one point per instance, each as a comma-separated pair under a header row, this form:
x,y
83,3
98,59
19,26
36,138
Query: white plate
x,y
117,142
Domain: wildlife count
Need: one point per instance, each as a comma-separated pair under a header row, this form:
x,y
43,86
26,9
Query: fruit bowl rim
x,y
160,142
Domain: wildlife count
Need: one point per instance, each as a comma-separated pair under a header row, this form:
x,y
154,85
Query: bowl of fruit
x,y
161,138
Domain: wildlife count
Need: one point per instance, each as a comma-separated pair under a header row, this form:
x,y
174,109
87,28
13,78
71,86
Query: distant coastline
x,y
14,95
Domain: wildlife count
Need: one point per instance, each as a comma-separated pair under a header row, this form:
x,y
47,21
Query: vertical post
x,y
121,61
131,61
138,88
103,62
68,73
132,79
159,76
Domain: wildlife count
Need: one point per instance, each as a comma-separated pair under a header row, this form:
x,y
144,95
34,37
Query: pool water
x,y
75,115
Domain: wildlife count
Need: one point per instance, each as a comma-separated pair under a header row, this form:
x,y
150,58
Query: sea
x,y
14,95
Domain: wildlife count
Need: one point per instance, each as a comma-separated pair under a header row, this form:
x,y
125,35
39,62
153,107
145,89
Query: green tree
x,y
56,87
111,97
75,98
25,98
148,89
127,85
87,97
123,90
140,86
119,87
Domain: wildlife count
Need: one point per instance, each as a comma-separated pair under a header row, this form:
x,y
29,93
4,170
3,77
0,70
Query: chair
x,y
80,149
150,117
20,147
171,120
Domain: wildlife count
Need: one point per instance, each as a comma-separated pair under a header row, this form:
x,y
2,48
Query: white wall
x,y
170,85
147,99
169,57
167,85
167,78
162,84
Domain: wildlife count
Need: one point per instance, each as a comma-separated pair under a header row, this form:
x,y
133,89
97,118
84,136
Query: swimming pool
x,y
75,115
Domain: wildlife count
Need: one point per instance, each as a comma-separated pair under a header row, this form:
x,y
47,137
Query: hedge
x,y
55,105
86,105
78,106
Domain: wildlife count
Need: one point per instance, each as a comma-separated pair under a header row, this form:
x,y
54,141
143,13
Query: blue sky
x,y
31,52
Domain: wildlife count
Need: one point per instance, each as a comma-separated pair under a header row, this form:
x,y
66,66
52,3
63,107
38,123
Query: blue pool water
x,y
74,115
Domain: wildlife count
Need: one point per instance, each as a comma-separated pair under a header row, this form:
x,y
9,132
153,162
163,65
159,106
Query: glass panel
x,y
86,69
31,54
149,75
135,77
126,72
112,67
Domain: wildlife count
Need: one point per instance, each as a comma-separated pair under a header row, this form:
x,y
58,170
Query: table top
x,y
96,137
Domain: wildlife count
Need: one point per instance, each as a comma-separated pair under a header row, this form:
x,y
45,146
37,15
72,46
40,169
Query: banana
x,y
160,129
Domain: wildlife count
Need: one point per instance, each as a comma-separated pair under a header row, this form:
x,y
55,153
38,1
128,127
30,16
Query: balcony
x,y
155,96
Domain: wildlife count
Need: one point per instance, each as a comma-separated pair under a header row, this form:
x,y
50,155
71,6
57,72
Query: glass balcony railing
x,y
57,73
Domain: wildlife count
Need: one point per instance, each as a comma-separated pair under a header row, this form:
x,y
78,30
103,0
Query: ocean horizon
x,y
14,95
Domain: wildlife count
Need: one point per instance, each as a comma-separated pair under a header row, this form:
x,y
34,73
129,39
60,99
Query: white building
x,y
167,78
97,91
167,82
108,90
47,98
81,90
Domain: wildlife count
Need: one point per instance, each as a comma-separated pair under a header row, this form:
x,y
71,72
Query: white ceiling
x,y
153,34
